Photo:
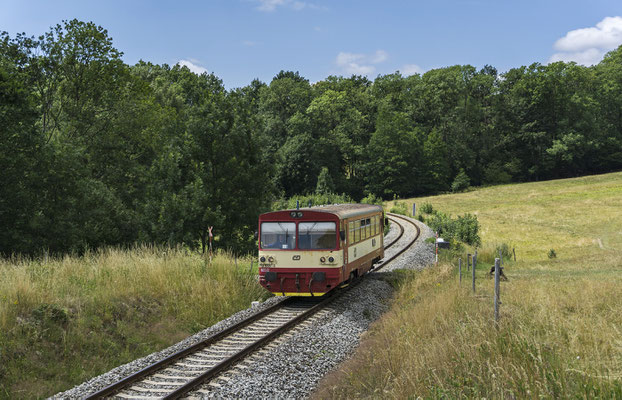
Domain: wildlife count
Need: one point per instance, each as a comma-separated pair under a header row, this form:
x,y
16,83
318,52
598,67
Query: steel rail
x,y
137,376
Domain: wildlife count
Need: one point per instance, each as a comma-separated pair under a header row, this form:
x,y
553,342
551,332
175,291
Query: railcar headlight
x,y
292,214
271,259
299,215
331,259
322,259
262,259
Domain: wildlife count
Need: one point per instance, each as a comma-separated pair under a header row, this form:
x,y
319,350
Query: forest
x,y
95,152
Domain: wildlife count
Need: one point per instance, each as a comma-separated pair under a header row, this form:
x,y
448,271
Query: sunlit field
x,y
66,320
560,328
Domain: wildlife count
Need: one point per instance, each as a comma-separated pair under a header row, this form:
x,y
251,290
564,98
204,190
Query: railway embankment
x,y
294,364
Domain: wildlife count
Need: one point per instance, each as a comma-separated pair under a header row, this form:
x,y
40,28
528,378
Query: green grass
x,y
69,319
560,332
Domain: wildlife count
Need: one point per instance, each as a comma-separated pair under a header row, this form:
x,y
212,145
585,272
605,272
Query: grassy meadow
x,y
560,328
68,319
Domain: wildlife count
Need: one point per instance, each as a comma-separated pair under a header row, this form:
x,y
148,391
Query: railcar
x,y
311,251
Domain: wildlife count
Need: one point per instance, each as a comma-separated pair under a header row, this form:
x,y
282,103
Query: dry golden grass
x,y
559,334
67,319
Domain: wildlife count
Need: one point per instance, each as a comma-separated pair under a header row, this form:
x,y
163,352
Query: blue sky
x,y
240,40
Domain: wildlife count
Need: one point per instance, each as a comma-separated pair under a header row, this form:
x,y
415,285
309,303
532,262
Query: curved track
x,y
186,370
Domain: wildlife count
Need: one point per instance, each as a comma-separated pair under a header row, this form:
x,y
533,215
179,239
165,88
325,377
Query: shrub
x,y
465,228
427,208
399,207
552,254
421,218
461,182
372,199
312,199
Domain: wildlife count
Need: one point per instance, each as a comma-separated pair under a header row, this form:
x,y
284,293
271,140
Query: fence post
x,y
251,269
497,294
414,209
500,257
473,270
514,251
460,270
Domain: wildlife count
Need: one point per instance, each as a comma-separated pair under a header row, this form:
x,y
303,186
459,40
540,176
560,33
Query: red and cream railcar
x,y
310,251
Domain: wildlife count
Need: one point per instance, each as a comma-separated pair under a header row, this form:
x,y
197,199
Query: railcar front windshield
x,y
278,235
317,235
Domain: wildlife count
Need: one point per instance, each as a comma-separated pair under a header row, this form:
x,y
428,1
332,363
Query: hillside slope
x,y
561,319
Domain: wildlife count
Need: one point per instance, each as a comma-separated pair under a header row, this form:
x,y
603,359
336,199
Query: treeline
x,y
96,152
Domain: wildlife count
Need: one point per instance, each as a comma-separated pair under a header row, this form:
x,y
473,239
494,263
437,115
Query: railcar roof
x,y
343,210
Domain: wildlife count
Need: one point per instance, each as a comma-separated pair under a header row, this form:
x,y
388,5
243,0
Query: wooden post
x,y
251,269
500,257
473,270
468,261
460,269
497,294
514,251
414,209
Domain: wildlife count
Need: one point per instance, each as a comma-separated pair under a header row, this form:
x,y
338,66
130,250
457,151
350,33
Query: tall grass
x,y
67,319
441,341
559,335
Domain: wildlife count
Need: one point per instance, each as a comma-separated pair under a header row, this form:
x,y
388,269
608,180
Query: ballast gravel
x,y
292,366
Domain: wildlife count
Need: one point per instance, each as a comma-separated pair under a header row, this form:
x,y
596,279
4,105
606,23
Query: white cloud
x,y
360,64
411,69
380,56
587,46
271,5
197,69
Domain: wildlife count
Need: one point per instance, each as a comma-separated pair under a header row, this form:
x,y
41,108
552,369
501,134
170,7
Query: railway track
x,y
188,370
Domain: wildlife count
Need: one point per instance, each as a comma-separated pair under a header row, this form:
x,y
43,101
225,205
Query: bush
x,y
464,228
461,182
312,199
372,199
421,218
399,207
552,254
427,208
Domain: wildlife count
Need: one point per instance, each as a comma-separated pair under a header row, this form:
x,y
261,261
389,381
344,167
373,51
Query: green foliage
x,y
399,207
552,254
461,182
311,199
426,208
325,183
464,228
96,152
371,199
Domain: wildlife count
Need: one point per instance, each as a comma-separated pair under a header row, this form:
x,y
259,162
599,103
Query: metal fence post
x,y
414,209
460,269
473,271
497,294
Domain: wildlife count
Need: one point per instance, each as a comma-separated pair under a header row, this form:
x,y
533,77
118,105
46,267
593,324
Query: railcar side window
x,y
363,229
357,231
368,227
317,235
278,235
352,233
